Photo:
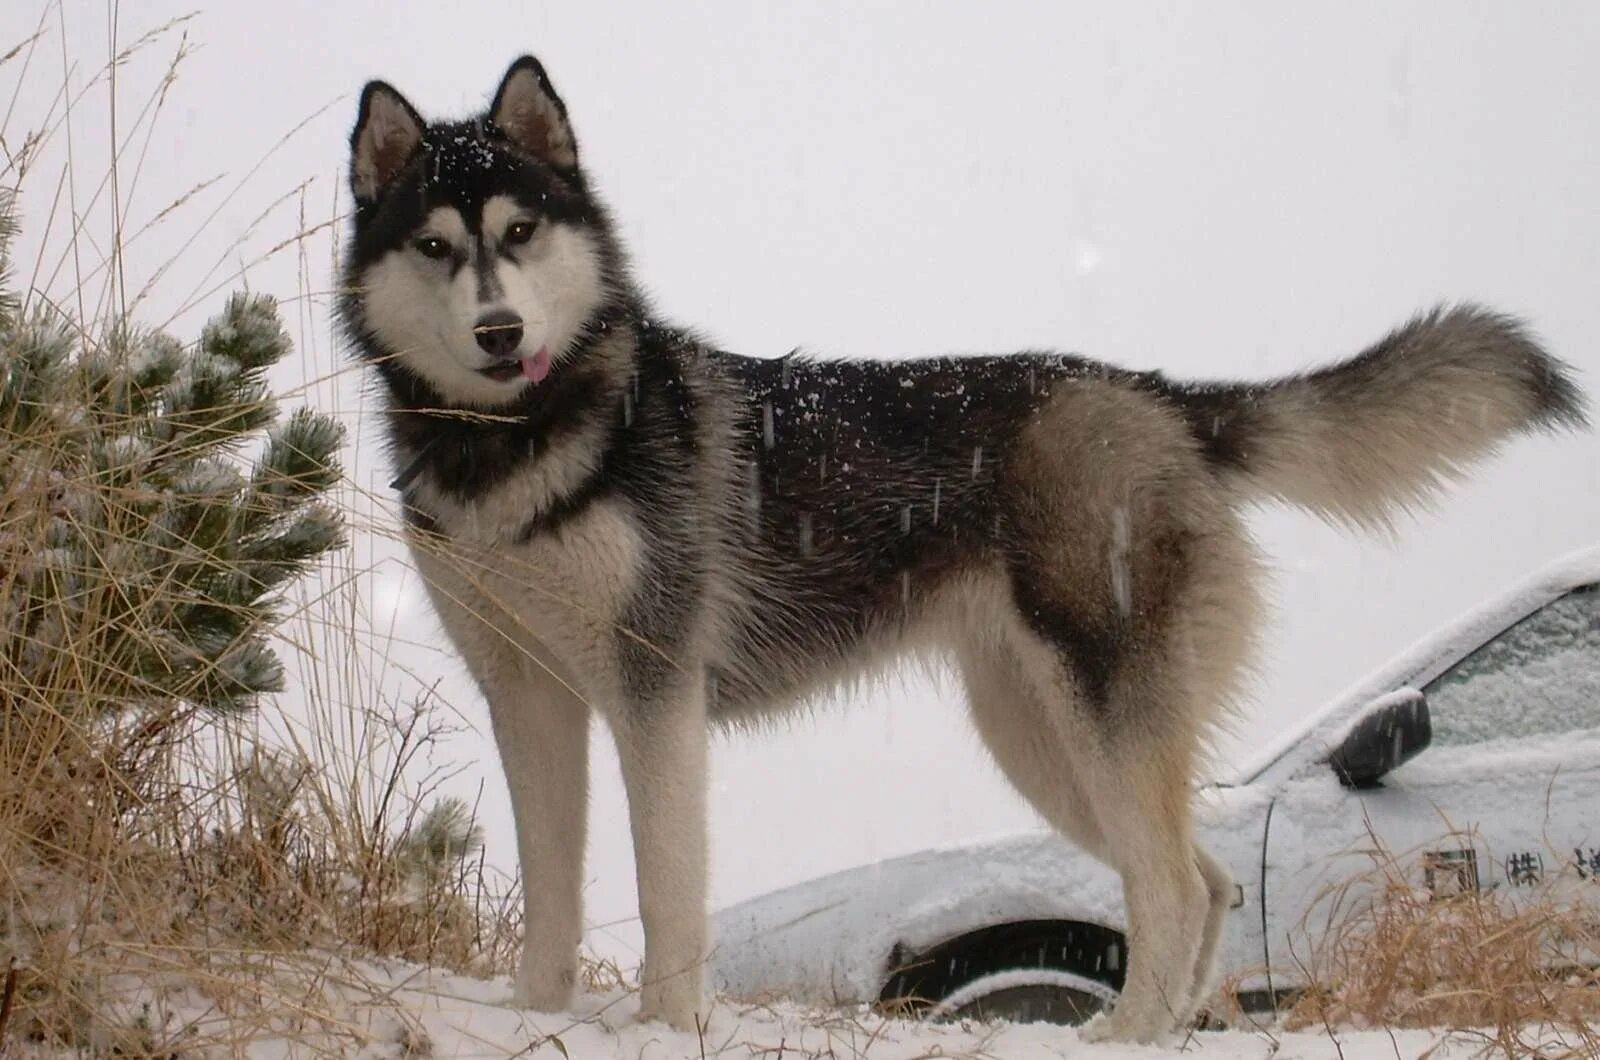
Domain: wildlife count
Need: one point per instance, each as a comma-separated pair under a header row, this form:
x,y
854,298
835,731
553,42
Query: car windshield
x,y
1540,676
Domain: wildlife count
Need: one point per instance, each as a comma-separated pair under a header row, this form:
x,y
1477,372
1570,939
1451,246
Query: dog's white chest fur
x,y
564,590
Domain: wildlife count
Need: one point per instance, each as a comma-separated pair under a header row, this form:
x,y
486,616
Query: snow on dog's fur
x,y
616,518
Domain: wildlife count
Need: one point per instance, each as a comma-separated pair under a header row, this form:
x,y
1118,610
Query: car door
x,y
1505,797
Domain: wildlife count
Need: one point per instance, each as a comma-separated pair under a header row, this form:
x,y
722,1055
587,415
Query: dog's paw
x,y
677,1002
544,986
1097,1029
1104,1027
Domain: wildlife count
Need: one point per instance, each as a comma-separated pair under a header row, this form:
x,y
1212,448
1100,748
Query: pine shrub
x,y
153,506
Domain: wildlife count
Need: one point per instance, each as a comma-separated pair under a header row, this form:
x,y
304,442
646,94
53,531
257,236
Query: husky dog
x,y
615,517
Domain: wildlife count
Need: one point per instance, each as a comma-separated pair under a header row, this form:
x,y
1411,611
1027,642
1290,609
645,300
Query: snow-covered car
x,y
1476,755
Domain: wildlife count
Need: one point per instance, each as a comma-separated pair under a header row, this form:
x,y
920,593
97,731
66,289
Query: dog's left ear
x,y
528,110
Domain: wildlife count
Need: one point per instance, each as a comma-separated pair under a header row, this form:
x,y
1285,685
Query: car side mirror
x,y
1392,730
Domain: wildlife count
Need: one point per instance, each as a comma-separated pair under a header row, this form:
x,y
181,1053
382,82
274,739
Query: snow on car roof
x,y
1424,660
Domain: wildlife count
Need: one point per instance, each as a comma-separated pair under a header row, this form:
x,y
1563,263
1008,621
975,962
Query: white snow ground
x,y
462,1017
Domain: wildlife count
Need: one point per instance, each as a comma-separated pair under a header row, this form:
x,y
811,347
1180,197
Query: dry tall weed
x,y
1516,969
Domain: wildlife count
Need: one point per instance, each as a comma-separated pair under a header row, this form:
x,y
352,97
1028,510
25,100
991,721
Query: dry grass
x,y
1511,968
162,859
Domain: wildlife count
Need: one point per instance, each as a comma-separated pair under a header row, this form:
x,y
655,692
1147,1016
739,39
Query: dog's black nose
x,y
499,333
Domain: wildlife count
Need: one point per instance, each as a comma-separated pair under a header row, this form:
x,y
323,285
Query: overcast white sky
x,y
1238,189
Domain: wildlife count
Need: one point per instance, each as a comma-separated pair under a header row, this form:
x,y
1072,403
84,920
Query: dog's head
x,y
480,263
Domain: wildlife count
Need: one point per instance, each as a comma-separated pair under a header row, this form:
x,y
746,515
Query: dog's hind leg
x,y
1219,892
1140,792
1133,581
1027,743
662,746
1129,757
1052,755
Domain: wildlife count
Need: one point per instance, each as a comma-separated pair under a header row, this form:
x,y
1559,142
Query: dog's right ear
x,y
388,131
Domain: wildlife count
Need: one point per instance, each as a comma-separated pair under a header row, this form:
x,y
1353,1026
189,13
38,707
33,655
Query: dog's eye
x,y
520,232
432,247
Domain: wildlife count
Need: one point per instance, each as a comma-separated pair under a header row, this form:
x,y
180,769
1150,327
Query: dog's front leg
x,y
662,748
542,730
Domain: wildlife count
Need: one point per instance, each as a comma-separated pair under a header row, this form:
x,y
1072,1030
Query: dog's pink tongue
x,y
535,368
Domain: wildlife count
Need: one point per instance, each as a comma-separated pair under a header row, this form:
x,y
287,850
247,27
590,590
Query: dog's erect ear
x,y
388,130
528,110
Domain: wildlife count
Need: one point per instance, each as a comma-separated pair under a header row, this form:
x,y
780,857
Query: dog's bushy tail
x,y
1362,440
